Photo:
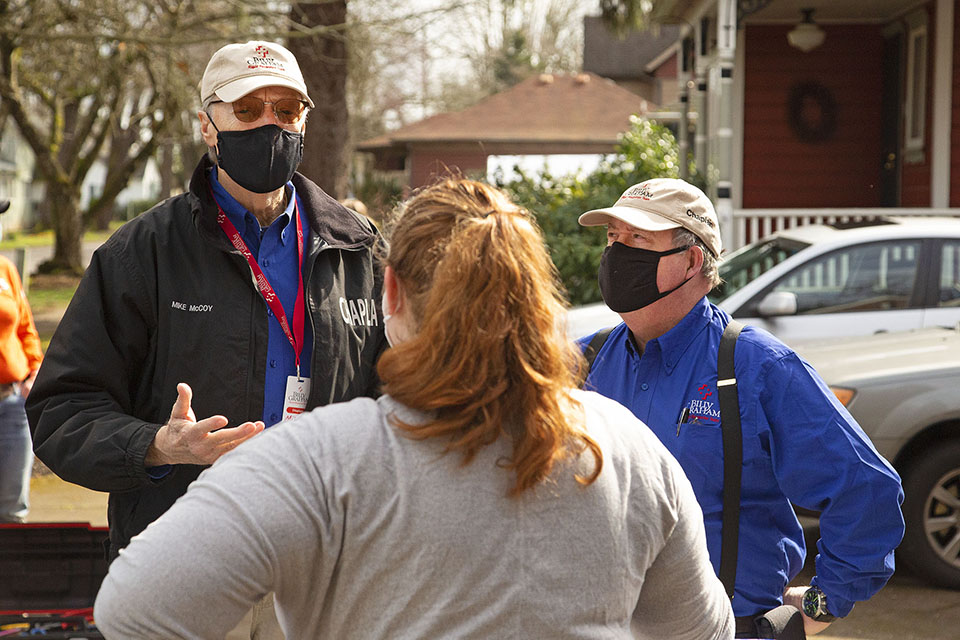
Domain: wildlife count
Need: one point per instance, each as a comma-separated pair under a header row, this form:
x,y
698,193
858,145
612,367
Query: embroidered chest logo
x,y
703,410
359,312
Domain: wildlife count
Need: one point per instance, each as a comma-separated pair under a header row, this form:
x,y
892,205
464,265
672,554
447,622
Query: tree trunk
x,y
167,177
323,60
68,230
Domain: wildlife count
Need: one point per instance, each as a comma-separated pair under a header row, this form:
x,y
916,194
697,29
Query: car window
x,y
950,274
746,264
871,277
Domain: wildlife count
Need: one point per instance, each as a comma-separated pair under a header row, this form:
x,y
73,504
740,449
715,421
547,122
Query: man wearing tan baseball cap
x,y
799,446
247,300
663,241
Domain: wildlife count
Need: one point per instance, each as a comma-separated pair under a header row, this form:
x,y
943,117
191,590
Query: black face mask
x,y
262,159
628,276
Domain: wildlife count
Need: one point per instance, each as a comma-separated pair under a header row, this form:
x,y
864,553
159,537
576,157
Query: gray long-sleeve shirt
x,y
364,533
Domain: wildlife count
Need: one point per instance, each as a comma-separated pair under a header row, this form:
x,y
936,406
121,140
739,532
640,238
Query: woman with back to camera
x,y
482,496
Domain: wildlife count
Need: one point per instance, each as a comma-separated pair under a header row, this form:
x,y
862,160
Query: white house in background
x,y
16,177
145,184
19,184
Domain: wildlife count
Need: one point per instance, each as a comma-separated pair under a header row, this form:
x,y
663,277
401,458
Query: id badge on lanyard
x,y
295,397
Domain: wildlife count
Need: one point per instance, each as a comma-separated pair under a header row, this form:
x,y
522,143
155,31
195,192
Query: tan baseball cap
x,y
237,69
660,204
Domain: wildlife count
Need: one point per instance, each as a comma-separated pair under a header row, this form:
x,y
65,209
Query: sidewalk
x,y
53,500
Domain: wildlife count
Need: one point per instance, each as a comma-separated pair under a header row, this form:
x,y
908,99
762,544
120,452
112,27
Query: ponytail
x,y
489,356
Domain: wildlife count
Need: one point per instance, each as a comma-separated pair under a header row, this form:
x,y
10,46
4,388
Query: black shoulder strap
x,y
732,454
596,343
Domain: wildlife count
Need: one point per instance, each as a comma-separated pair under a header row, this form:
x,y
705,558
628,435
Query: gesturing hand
x,y
185,440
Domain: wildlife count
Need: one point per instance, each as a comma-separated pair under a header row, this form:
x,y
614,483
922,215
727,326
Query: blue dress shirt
x,y
275,249
800,445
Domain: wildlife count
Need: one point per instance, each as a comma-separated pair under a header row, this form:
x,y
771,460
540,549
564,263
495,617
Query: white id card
x,y
295,398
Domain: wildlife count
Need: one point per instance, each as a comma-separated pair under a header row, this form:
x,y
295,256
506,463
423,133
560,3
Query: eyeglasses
x,y
250,108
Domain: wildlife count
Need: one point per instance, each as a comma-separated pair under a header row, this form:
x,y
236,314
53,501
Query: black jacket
x,y
168,299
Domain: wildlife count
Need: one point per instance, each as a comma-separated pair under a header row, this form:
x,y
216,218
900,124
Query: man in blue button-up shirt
x,y
800,445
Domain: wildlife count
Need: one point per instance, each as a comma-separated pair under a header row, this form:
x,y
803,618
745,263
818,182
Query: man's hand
x,y
794,596
184,440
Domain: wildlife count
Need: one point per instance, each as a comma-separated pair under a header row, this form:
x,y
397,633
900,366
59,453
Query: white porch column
x,y
701,137
683,79
726,53
942,112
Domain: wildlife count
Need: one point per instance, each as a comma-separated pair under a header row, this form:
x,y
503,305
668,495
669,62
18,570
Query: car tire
x,y
931,509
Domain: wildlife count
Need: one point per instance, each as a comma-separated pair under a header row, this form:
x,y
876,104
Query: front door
x,y
891,118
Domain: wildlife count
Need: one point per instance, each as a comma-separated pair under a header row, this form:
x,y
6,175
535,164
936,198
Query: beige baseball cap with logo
x,y
660,204
237,69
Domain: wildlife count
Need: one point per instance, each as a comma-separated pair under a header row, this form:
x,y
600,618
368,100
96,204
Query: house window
x,y
915,108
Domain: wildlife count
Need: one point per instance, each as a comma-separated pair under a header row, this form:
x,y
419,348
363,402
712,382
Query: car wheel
x,y
931,509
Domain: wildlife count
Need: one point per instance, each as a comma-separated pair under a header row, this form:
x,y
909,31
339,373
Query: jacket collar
x,y
675,342
331,223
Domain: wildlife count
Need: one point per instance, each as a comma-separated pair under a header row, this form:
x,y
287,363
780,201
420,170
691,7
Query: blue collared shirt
x,y
275,249
800,445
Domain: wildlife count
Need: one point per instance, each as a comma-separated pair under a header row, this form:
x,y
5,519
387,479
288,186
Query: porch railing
x,y
753,224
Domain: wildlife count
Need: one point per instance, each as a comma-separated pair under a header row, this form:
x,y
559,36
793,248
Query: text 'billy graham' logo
x,y
640,191
704,410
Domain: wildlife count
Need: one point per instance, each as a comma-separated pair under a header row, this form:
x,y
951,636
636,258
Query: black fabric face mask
x,y
628,276
262,159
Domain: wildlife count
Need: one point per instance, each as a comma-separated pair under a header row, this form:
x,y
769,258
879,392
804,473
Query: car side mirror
x,y
778,303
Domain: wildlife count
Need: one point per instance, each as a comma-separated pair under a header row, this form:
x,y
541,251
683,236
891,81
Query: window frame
x,y
919,297
915,89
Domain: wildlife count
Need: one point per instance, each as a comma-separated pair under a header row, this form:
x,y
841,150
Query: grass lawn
x,y
48,297
47,293
15,239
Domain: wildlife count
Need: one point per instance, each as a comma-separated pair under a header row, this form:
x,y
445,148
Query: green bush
x,y
647,150
380,193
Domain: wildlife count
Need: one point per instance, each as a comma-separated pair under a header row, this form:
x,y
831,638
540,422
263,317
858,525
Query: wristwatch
x,y
815,605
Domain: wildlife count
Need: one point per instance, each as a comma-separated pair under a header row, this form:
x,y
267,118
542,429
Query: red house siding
x,y
955,118
779,169
915,176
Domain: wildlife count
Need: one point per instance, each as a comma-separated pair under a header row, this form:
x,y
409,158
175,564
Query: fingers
x,y
234,435
226,440
209,425
185,440
181,407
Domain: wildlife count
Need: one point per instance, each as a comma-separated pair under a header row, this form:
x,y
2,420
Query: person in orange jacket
x,y
20,357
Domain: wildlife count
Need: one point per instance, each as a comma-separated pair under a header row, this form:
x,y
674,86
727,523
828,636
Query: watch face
x,y
815,605
811,602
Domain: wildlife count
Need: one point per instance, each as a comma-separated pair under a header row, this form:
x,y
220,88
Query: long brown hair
x,y
489,356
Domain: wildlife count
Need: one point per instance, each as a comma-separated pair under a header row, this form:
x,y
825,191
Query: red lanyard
x,y
269,295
